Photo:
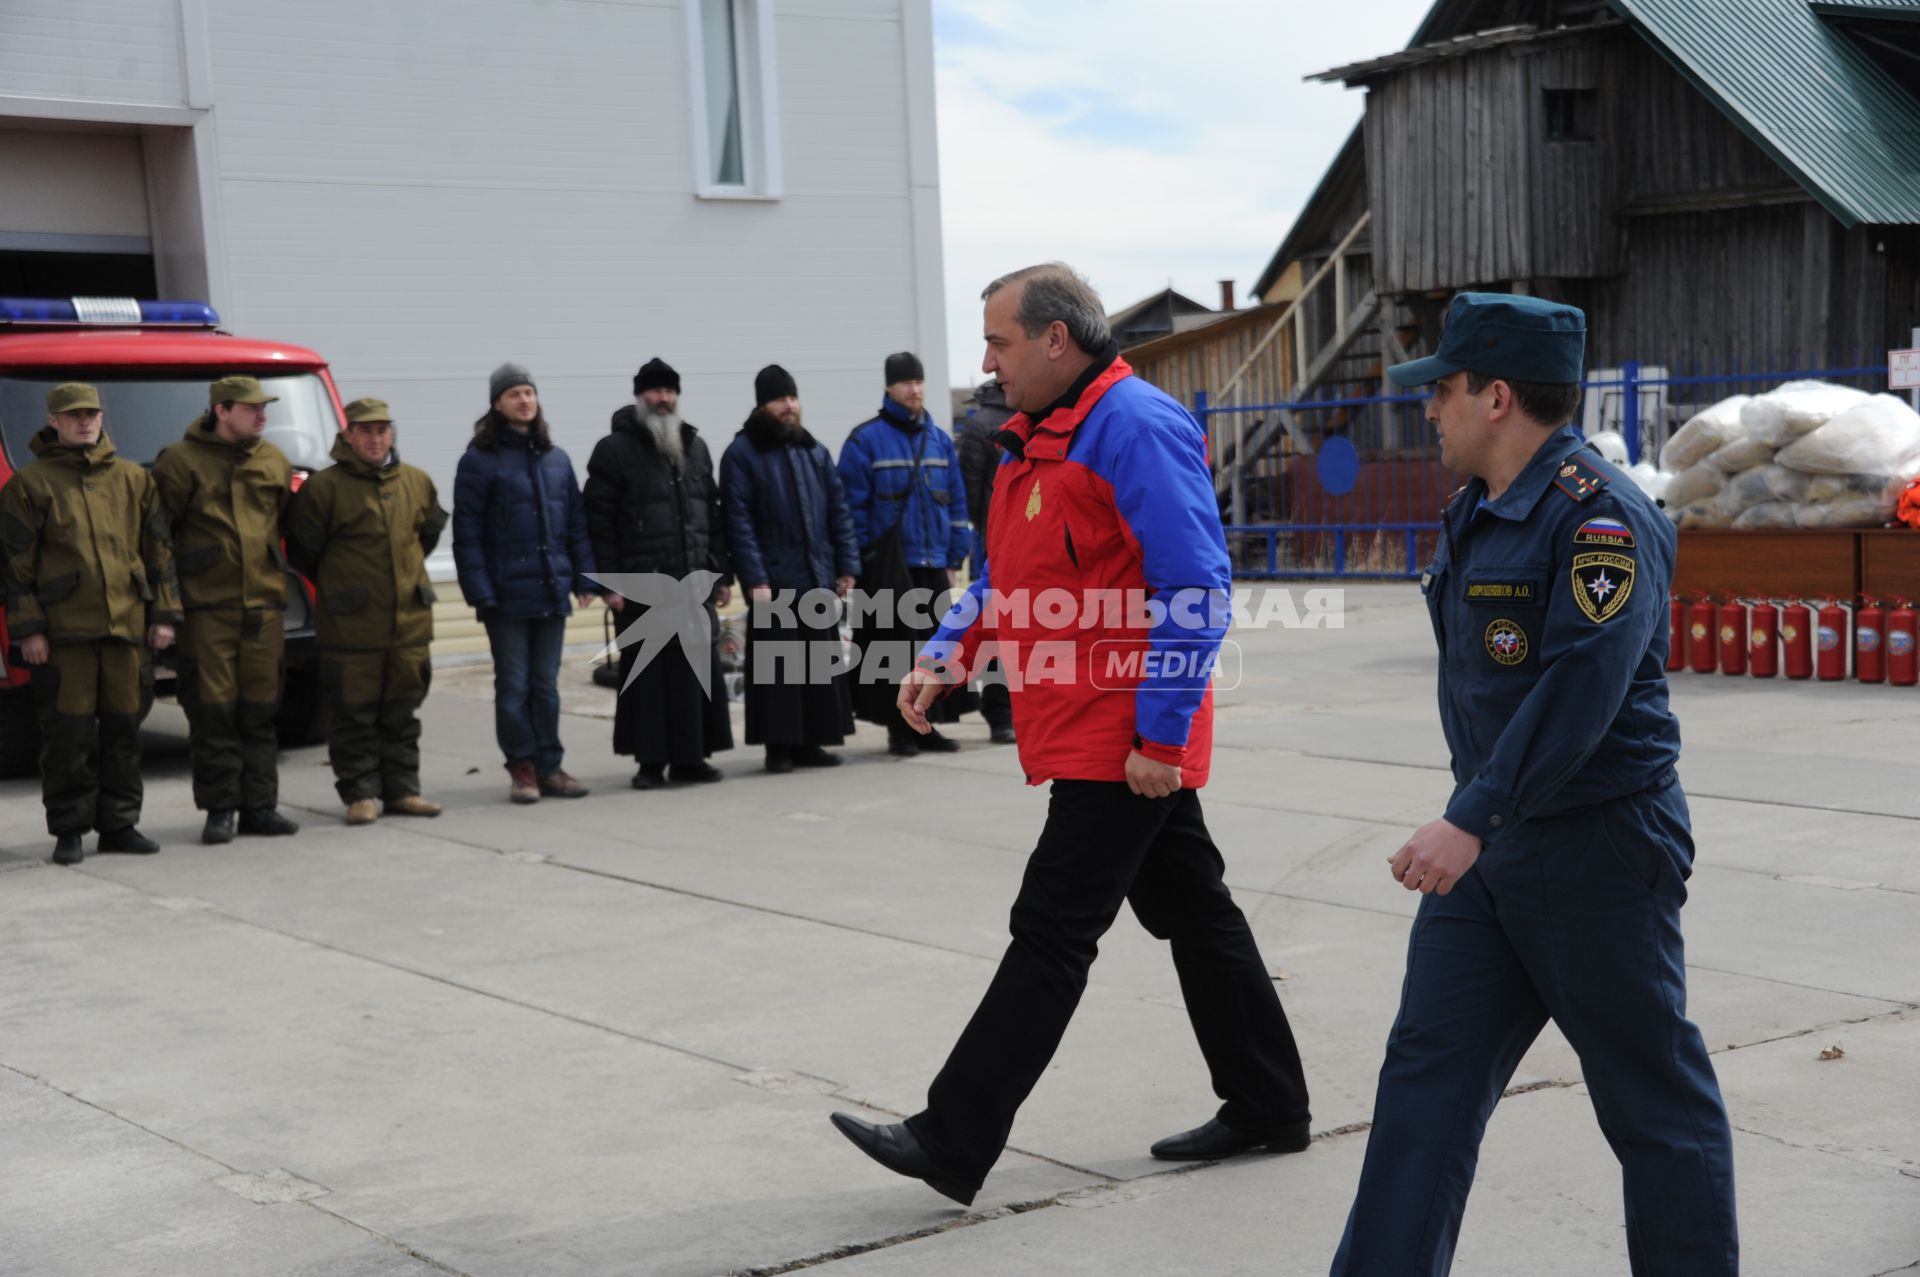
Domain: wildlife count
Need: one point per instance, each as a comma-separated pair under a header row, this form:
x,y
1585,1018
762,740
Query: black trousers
x,y
1104,844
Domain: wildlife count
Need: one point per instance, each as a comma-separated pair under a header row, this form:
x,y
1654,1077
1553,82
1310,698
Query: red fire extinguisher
x,y
1677,634
1903,663
1830,665
1869,652
1703,647
1733,637
1796,639
1764,646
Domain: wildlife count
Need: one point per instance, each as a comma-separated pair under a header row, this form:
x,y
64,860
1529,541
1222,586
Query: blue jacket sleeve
x,y
472,486
1587,667
846,550
1164,493
736,502
960,529
856,478
963,629
579,544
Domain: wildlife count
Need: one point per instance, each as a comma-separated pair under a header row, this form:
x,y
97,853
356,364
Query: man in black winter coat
x,y
653,506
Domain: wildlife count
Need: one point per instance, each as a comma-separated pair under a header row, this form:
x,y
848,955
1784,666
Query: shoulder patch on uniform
x,y
1579,479
1604,532
1602,583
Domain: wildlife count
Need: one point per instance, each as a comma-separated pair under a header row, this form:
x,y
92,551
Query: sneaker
x,y
265,822
412,805
696,774
362,811
557,784
68,849
650,776
524,785
935,743
813,756
129,840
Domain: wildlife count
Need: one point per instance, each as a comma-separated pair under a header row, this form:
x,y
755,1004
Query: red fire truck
x,y
151,362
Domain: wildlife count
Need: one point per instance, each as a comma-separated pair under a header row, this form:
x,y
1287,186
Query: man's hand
x,y
918,691
1150,779
34,649
760,593
1437,856
160,637
616,602
842,584
585,597
722,595
950,578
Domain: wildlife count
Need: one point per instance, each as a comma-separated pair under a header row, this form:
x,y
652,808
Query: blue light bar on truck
x,y
118,311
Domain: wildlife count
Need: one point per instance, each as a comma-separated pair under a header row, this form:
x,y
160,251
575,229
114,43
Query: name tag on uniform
x,y
1503,591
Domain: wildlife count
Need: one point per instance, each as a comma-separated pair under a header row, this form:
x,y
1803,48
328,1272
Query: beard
x,y
664,425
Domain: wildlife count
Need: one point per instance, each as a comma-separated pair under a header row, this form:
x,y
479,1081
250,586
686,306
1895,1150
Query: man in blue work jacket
x,y
1553,882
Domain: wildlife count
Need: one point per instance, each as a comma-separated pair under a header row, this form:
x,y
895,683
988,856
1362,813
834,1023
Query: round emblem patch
x,y
1899,642
1726,634
1789,632
1867,640
1506,642
1760,638
1829,638
1699,630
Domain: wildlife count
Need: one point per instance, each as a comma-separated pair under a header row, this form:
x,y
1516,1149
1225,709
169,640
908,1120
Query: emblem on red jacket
x,y
1033,501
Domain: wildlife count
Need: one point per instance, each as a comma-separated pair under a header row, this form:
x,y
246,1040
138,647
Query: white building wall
x,y
420,189
106,50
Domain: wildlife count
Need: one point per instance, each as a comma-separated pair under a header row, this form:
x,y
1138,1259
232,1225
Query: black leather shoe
x,y
697,774
1216,1140
1003,735
219,826
903,744
128,840
895,1148
265,822
935,743
68,850
649,777
779,761
814,756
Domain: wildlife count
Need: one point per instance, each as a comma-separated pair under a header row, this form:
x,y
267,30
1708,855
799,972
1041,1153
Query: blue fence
x,y
1350,484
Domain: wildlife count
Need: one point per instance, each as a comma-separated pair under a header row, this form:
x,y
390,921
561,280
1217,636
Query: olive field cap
x,y
1507,336
363,411
73,396
239,390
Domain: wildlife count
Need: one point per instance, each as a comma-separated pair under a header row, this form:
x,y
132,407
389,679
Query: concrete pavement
x,y
602,1037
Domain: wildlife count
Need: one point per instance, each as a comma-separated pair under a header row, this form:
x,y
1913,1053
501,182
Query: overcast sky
x,y
1141,140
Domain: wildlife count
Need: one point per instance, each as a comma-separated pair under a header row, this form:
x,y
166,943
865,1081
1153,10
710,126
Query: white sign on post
x,y
1903,370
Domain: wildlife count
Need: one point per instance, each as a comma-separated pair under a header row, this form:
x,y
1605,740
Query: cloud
x,y
1142,141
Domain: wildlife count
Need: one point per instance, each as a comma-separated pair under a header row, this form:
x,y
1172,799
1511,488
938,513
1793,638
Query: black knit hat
x,y
773,382
505,378
905,366
656,374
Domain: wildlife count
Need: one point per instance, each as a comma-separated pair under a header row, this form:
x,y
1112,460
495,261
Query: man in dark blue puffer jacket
x,y
520,544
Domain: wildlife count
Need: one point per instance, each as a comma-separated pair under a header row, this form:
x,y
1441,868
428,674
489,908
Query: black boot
x,y
650,776
68,850
128,840
903,742
695,774
219,826
779,759
934,743
265,822
813,756
1003,734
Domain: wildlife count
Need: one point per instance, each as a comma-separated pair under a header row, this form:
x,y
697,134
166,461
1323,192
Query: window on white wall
x,y
736,141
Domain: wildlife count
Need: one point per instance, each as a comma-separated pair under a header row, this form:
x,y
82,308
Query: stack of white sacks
x,y
1808,455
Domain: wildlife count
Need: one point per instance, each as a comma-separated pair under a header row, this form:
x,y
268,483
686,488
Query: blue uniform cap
x,y
1507,336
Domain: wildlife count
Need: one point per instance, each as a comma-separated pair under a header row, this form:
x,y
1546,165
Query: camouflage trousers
x,y
90,699
373,719
230,668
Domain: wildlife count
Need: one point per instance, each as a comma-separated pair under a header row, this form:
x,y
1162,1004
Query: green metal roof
x,y
1803,91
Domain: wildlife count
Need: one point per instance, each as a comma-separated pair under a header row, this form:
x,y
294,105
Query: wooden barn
x,y
1725,187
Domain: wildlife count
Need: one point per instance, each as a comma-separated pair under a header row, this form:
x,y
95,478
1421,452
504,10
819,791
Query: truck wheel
x,y
302,719
19,734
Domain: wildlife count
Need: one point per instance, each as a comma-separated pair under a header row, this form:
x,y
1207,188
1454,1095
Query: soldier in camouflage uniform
x,y
362,529
227,490
90,589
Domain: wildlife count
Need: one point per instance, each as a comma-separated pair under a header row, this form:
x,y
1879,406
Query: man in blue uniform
x,y
1553,881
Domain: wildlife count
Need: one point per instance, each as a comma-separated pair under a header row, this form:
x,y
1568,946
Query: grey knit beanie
x,y
505,378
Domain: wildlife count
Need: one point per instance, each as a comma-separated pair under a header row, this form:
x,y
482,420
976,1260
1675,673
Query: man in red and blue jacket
x,y
1105,596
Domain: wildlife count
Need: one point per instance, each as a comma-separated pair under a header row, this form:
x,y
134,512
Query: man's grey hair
x,y
1055,291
